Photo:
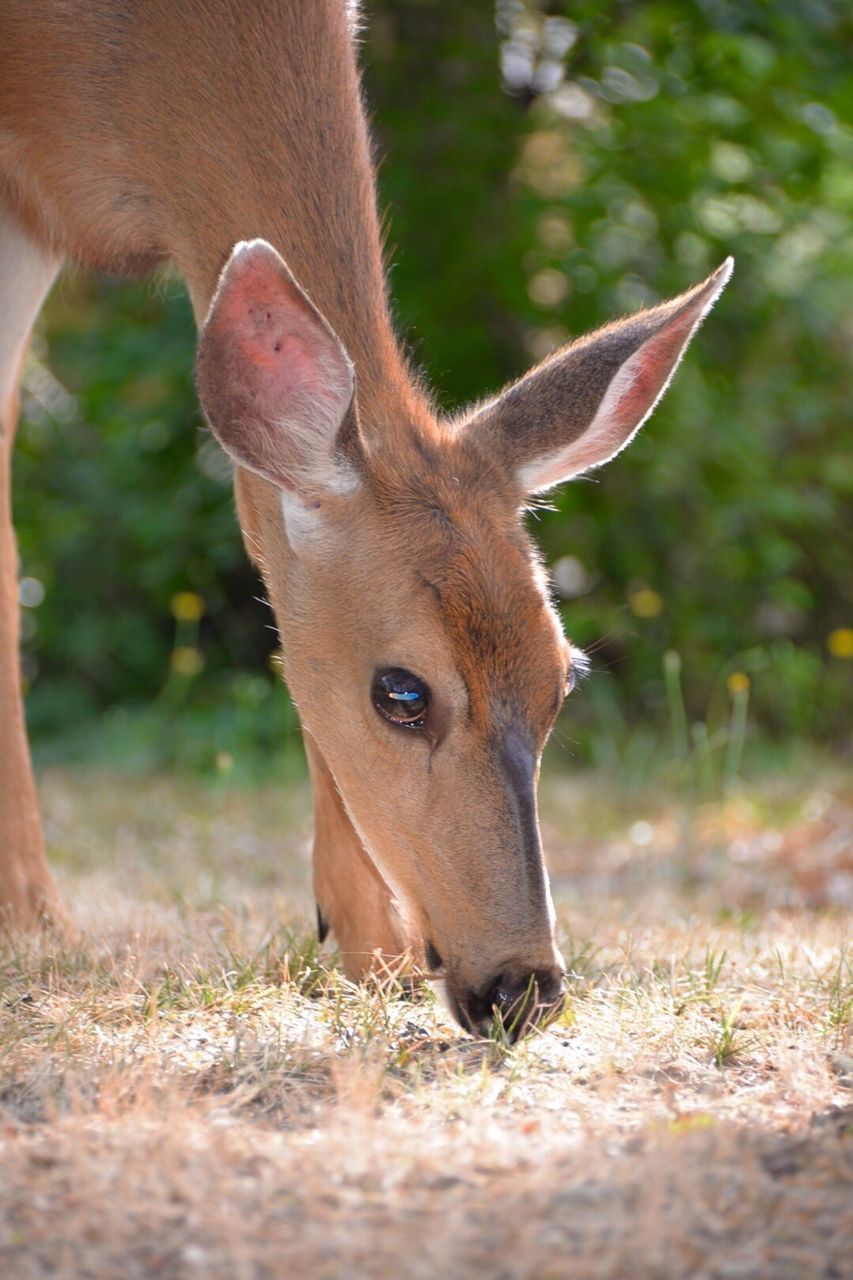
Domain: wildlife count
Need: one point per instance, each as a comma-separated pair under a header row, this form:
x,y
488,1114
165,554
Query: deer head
x,y
420,646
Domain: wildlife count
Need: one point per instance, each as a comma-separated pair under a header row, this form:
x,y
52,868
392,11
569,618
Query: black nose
x,y
512,1003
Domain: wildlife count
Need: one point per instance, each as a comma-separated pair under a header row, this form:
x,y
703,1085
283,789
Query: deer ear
x,y
582,405
273,379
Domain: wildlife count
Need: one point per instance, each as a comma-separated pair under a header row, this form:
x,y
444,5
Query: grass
x,y
192,1089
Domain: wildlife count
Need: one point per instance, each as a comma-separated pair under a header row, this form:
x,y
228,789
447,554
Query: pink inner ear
x,y
629,399
285,350
644,377
273,378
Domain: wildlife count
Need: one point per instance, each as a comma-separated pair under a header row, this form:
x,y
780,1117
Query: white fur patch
x,y
302,520
26,274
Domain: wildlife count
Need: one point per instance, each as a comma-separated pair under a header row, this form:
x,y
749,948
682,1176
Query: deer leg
x,y
27,893
352,898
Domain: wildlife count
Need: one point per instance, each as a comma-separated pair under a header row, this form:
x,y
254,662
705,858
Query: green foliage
x,y
628,151
671,135
121,502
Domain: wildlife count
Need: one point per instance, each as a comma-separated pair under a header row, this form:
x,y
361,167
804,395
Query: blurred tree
x,y
648,141
544,167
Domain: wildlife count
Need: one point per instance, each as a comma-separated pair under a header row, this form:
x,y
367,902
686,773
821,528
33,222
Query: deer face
x,y
419,644
428,668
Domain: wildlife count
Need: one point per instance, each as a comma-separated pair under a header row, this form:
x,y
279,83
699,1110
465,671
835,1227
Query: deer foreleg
x,y
352,898
27,892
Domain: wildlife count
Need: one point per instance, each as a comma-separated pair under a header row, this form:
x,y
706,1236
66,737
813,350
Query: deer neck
x,y
290,163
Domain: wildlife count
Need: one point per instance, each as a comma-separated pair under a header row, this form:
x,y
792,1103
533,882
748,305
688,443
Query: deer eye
x,y
578,670
400,697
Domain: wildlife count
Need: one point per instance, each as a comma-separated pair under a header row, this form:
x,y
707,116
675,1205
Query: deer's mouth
x,y
434,961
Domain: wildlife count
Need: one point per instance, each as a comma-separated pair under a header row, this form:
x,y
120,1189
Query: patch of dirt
x,y
193,1090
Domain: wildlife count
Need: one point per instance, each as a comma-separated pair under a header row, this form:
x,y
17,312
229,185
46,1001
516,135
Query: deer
x,y
420,643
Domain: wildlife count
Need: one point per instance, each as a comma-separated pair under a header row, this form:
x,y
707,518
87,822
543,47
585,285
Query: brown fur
x,y
137,130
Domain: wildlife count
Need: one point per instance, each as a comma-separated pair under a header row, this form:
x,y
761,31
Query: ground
x,y
191,1089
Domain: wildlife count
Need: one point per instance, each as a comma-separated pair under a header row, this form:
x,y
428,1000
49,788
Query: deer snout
x,y
513,1001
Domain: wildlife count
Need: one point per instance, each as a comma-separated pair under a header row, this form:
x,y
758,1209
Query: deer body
x,y
419,643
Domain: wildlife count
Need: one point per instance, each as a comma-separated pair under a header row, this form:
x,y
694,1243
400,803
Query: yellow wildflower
x,y
186,606
645,602
840,642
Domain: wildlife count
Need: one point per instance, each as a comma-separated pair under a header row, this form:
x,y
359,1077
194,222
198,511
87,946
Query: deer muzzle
x,y
511,1003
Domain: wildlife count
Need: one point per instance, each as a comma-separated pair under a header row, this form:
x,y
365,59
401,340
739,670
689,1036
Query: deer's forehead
x,y
442,475
490,602
455,531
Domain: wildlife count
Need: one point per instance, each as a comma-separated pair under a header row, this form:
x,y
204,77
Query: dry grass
x,y
192,1091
